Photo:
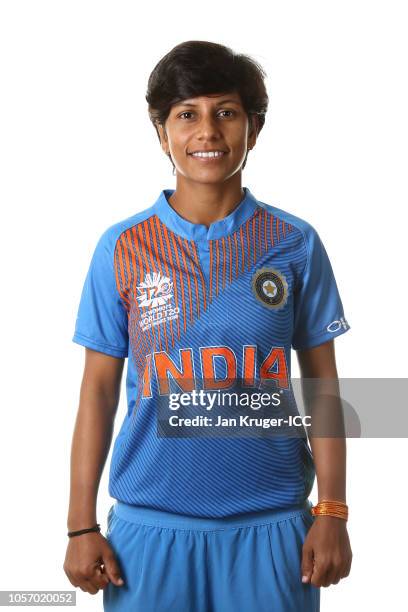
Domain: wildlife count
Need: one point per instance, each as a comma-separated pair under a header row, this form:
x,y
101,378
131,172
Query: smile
x,y
208,155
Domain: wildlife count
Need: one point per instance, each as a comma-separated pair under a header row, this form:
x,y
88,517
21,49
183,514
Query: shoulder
x,y
306,233
110,238
289,218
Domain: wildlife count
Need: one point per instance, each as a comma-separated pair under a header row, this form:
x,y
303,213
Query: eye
x,y
227,111
222,111
185,113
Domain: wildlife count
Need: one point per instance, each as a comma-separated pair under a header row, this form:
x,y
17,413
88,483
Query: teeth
x,y
208,154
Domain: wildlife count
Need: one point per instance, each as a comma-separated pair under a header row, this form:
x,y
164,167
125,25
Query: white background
x,y
78,153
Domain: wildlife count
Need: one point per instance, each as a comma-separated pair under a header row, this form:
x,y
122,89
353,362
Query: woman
x,y
207,289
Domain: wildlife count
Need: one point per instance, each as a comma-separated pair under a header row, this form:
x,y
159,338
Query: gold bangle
x,y
329,507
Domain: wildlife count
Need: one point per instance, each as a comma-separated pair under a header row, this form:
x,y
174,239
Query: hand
x,y
90,563
327,555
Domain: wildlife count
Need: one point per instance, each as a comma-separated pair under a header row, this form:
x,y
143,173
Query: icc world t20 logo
x,y
156,292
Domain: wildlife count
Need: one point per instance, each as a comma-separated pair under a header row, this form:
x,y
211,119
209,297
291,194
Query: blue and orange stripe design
x,y
150,246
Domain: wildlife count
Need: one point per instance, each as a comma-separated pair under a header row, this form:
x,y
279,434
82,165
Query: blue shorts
x,y
177,563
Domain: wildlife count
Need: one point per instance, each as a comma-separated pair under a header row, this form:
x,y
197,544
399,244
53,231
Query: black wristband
x,y
96,527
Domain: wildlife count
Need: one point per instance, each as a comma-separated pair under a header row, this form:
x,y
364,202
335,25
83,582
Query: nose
x,y
208,128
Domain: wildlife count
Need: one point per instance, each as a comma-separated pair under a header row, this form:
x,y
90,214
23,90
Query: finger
x,y
71,578
101,579
97,577
338,574
112,569
318,578
307,563
343,571
87,586
331,575
347,569
83,578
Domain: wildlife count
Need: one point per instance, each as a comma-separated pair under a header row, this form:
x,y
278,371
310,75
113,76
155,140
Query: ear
x,y
162,134
253,130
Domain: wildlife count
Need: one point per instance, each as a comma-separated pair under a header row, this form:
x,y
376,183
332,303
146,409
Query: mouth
x,y
208,156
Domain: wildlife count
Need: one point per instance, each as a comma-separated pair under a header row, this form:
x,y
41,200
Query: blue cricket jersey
x,y
187,305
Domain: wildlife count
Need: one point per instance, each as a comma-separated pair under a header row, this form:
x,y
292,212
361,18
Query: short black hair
x,y
198,68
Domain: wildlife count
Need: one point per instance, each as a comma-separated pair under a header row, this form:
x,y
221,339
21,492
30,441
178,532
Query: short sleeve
x,y
318,309
102,322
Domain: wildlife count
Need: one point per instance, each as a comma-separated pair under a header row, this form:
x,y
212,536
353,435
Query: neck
x,y
205,203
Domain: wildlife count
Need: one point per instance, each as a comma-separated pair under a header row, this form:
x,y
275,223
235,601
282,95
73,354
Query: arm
x,y
326,554
99,397
329,453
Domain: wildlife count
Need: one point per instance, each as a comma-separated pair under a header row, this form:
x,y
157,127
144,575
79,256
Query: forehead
x,y
210,100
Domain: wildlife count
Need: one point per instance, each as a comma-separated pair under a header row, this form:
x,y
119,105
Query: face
x,y
216,123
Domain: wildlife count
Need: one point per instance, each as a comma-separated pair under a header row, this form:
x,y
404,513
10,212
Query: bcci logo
x,y
155,291
270,287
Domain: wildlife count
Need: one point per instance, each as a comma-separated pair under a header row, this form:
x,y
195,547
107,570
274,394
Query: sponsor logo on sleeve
x,y
337,324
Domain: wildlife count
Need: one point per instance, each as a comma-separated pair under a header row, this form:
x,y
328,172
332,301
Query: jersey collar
x,y
198,231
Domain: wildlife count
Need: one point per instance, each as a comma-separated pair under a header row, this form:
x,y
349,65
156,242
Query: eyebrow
x,y
218,103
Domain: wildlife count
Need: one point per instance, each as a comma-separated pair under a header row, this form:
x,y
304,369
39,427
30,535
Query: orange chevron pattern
x,y
150,247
